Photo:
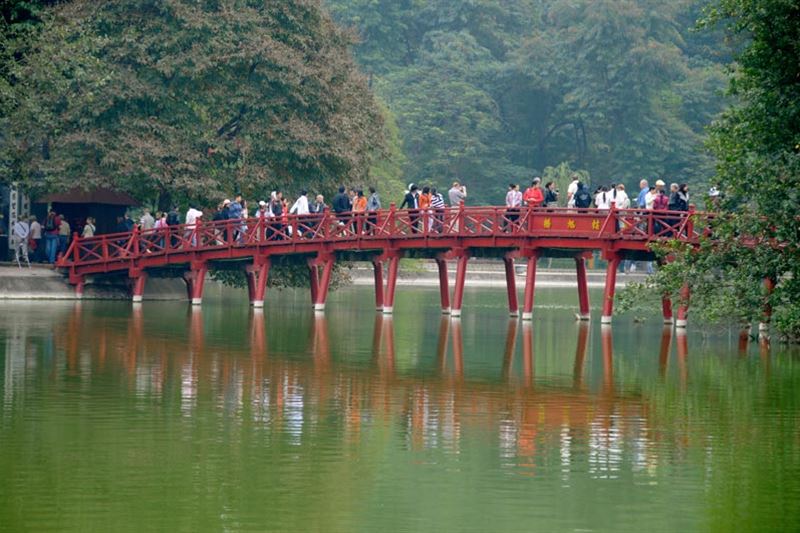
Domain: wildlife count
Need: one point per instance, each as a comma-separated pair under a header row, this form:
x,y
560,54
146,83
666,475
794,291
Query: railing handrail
x,y
460,221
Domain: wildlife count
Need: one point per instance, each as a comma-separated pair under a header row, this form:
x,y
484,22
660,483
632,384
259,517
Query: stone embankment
x,y
43,283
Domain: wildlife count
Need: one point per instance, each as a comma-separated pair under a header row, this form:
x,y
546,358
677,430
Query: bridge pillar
x,y
461,278
391,283
321,269
584,312
530,284
444,285
377,269
613,259
78,281
666,308
511,286
313,276
139,278
257,275
195,281
683,308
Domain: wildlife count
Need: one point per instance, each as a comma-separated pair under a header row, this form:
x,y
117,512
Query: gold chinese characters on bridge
x,y
547,224
596,224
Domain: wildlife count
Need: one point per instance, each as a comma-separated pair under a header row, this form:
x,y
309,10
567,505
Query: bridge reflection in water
x,y
253,384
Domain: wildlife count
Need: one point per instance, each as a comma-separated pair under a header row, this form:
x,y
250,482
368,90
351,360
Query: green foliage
x,y
496,90
756,144
194,99
563,175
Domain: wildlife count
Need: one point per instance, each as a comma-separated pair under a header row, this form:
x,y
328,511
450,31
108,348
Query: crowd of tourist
x,y
426,205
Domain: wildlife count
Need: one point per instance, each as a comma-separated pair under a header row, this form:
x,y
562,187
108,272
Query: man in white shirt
x,y
457,194
192,216
621,200
572,189
147,221
21,232
36,236
300,208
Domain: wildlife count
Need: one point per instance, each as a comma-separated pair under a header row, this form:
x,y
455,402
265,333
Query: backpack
x,y
173,219
583,198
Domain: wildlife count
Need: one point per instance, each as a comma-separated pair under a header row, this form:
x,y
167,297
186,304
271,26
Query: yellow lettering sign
x,y
596,224
547,223
570,224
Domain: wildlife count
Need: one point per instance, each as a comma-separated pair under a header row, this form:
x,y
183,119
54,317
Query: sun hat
x,y
660,183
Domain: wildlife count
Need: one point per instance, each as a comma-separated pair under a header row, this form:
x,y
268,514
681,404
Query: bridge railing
x,y
392,224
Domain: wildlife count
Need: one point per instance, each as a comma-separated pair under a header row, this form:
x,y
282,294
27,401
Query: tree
x,y
757,146
187,98
497,90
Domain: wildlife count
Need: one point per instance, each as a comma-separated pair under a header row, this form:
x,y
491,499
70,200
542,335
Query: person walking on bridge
x,y
641,200
513,203
534,197
457,194
411,200
438,207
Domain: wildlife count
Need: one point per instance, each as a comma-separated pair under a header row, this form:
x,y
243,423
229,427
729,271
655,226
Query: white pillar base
x,y
445,310
669,321
605,319
137,298
763,327
78,295
197,301
514,314
379,309
527,316
319,307
582,317
681,323
455,312
258,303
387,310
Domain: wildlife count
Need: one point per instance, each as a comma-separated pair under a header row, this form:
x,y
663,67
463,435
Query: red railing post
x,y
460,217
690,222
391,222
134,242
76,247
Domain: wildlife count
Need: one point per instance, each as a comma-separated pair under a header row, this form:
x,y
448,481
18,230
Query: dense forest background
x,y
492,91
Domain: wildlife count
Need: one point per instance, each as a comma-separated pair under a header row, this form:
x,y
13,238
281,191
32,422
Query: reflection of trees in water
x,y
292,398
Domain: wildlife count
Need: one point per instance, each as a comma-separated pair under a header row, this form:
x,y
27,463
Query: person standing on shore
x,y
36,239
20,234
63,235
51,236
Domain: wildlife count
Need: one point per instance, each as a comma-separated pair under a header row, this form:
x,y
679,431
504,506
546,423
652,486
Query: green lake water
x,y
164,418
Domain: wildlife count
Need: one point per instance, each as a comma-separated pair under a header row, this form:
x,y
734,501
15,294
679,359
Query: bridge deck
x,y
385,236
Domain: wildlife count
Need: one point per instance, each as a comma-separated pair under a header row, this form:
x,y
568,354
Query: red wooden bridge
x,y
382,238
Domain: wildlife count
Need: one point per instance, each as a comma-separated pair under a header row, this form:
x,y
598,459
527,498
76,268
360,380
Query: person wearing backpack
x,y
582,198
51,225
